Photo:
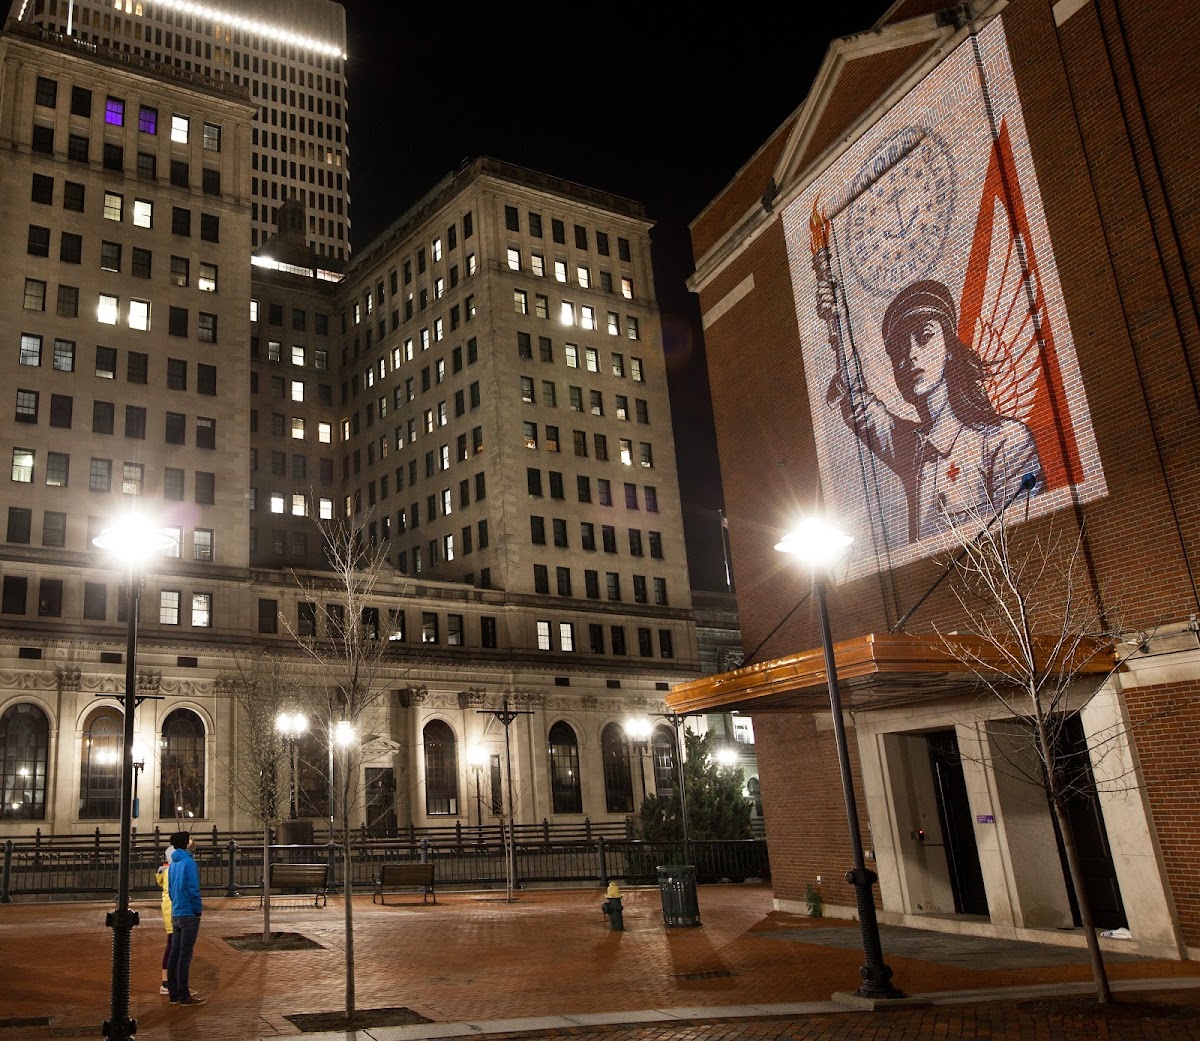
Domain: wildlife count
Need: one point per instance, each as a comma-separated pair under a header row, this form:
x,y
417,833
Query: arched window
x,y
663,744
100,765
618,781
441,770
24,751
182,766
564,769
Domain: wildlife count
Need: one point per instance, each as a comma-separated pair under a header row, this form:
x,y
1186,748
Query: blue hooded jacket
x,y
183,881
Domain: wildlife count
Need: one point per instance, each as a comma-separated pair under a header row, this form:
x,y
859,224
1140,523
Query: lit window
x,y
560,270
587,317
179,129
514,259
614,324
326,509
566,313
114,206
143,215
202,610
325,433
139,314
538,264
148,120
212,137
297,428
202,544
277,502
22,465
108,310
627,288
133,477
471,264
593,359
436,249
297,390
298,507
114,112
173,542
208,284
168,607
583,276
254,310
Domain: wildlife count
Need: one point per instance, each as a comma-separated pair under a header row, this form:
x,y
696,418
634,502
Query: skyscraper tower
x,y
289,54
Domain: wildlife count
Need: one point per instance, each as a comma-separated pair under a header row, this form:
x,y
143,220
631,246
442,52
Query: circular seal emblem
x,y
903,203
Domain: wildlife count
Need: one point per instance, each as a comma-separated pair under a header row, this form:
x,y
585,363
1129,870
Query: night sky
x,y
647,107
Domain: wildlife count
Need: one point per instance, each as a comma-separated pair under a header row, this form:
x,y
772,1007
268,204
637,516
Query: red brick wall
x,y
1166,720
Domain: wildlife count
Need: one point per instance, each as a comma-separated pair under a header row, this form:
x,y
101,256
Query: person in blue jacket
x,y
183,883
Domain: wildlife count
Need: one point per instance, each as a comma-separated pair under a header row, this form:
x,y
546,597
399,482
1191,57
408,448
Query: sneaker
x,y
163,989
195,999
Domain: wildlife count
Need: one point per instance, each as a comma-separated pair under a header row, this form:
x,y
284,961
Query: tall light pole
x,y
637,729
477,757
821,546
131,541
506,716
292,726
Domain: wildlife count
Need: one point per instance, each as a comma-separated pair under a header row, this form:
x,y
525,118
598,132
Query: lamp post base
x,y
876,975
120,1026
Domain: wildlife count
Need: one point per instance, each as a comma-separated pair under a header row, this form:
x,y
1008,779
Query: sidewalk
x,y
475,964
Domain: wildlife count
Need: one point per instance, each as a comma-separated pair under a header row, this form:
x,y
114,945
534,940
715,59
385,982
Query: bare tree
x,y
261,687
1041,644
350,662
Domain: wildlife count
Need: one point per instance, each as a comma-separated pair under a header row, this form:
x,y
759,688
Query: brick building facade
x,y
1023,177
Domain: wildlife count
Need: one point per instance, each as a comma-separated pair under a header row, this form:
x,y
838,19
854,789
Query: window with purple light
x,y
114,112
148,120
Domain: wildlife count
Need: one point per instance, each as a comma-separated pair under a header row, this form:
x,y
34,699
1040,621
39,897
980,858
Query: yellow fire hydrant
x,y
612,908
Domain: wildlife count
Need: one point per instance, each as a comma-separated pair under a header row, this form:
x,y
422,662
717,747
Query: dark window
x,y
60,410
78,148
102,417
210,183
43,140
179,173
15,595
206,379
137,367
73,195
46,92
176,428
81,101
512,219
95,601
38,243
564,769
177,321
441,769
268,616
43,189
50,598
135,421
618,779
210,227
206,487
20,522
114,156
181,221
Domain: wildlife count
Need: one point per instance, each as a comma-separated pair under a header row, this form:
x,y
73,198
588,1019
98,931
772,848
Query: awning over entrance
x,y
873,670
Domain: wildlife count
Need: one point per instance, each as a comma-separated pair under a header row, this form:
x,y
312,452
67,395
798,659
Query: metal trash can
x,y
677,884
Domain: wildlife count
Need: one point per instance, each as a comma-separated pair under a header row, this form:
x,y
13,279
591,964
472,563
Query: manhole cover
x,y
364,1018
278,942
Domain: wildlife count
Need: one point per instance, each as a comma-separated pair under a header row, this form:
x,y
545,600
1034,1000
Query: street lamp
x,y
477,756
292,726
821,546
139,764
638,729
132,541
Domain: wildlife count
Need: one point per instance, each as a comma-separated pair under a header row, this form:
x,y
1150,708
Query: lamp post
x,y
131,541
292,726
637,729
139,764
476,757
821,545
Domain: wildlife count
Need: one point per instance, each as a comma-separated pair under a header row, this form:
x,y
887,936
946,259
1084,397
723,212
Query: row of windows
x,y
595,401
587,535
137,370
173,604
46,95
60,413
591,582
583,273
299,318
79,148
547,632
585,316
54,532
141,214
558,232
579,441
131,477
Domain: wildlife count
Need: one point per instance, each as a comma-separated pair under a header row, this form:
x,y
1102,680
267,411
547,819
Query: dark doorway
x,y
1087,824
381,802
958,830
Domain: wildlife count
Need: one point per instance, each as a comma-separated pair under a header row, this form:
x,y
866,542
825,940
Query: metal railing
x,y
87,869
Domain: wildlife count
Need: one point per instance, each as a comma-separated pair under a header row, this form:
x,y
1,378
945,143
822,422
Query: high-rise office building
x,y
290,55
481,392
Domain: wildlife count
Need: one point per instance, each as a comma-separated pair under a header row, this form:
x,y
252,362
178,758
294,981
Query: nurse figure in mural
x,y
960,460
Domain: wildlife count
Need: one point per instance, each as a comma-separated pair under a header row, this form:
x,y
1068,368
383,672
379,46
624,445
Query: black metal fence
x,y
86,868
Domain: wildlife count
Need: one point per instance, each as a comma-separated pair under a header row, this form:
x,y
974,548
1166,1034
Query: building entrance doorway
x,y
958,829
381,802
1087,825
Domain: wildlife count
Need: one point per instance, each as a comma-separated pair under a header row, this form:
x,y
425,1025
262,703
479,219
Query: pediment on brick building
x,y
861,77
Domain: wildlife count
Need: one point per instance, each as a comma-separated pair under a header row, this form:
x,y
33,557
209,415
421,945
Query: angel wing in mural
x,y
1005,334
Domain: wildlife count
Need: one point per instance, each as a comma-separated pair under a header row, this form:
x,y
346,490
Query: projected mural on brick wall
x,y
939,360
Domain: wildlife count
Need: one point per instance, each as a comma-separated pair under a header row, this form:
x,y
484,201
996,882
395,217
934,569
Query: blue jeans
x,y
183,941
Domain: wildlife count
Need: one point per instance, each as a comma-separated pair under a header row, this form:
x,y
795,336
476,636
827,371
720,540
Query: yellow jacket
x,y
160,876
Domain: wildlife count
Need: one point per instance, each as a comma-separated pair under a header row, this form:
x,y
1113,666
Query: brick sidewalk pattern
x,y
475,959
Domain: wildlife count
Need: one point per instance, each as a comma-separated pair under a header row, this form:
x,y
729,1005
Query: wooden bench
x,y
404,874
311,878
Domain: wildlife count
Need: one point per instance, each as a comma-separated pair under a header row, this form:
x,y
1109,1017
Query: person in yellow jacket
x,y
160,876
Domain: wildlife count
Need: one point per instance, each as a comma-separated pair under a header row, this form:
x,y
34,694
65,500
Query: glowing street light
x,y
821,546
292,726
132,541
